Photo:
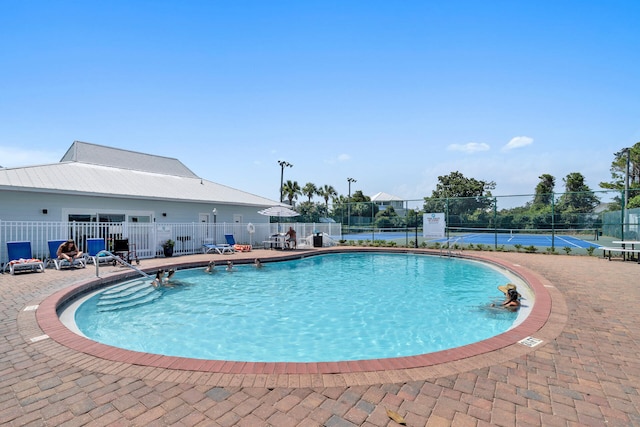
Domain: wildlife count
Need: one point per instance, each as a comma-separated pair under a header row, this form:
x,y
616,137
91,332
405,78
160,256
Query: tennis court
x,y
571,238
583,238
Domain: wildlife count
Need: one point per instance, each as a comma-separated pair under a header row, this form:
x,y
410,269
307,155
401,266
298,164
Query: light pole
x,y
349,180
215,214
626,151
283,165
626,185
446,206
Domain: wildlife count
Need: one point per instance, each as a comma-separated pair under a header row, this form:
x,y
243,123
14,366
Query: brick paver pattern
x,y
587,374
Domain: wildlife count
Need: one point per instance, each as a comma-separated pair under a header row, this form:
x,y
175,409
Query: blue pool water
x,y
330,307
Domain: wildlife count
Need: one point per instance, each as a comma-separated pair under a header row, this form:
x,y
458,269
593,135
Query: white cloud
x,y
518,142
344,157
470,147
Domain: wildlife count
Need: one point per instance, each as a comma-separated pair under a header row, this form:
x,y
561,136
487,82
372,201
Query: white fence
x,y
146,238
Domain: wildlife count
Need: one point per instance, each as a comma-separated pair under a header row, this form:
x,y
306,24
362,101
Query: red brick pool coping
x,y
504,345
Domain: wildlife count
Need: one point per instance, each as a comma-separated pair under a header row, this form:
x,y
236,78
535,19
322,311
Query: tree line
x,y
468,202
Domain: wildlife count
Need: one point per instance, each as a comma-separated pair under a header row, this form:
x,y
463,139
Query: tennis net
x,y
582,234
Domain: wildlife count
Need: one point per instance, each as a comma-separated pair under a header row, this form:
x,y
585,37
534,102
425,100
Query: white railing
x,y
146,238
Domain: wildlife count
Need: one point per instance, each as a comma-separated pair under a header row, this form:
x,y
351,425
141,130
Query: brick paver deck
x,y
585,372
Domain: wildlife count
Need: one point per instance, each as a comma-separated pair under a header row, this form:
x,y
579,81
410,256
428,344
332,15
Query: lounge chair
x,y
94,246
58,263
231,241
209,248
21,258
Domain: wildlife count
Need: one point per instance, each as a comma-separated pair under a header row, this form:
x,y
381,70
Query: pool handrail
x,y
121,261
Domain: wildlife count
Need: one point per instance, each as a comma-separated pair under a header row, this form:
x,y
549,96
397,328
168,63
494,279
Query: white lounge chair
x,y
209,248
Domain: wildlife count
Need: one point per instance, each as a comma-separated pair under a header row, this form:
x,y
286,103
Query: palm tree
x,y
326,192
309,190
291,190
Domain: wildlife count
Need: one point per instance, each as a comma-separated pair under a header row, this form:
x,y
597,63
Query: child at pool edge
x,y
257,263
229,266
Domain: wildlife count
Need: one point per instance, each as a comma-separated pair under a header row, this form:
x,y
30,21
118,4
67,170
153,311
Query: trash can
x,y
317,240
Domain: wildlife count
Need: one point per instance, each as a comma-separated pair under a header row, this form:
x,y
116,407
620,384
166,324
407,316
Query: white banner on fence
x,y
163,232
433,225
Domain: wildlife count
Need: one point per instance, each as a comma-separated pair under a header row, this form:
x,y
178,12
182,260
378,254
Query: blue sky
x,y
392,94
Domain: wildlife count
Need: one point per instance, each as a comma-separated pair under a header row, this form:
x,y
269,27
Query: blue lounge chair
x,y
231,241
59,262
94,246
21,258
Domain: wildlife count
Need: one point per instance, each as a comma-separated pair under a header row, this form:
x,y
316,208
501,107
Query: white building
x,y
94,183
384,200
103,192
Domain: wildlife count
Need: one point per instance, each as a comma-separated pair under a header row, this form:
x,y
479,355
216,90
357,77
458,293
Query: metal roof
x,y
86,152
77,176
385,197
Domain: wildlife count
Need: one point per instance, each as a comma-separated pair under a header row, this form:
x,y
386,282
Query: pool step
x,y
126,289
127,295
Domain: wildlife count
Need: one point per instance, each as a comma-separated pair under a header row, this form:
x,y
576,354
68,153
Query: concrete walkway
x,y
585,372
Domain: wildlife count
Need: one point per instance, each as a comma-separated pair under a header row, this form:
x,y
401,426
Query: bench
x,y
622,251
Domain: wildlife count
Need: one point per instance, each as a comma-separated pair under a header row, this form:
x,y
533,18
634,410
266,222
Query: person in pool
x,y
513,300
229,266
257,263
511,295
158,279
506,288
210,268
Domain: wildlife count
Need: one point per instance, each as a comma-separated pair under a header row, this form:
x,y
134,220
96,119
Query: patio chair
x,y
58,263
21,258
231,241
94,246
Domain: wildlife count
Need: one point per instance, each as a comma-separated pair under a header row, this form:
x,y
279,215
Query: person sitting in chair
x,y
291,238
69,251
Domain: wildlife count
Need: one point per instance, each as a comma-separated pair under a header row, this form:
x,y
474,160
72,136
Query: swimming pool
x,y
323,308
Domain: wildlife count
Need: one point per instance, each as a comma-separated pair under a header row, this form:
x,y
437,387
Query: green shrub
x,y
567,249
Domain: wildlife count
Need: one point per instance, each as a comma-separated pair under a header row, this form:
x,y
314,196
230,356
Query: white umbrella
x,y
280,211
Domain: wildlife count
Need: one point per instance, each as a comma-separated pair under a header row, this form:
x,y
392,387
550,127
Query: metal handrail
x,y
121,261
